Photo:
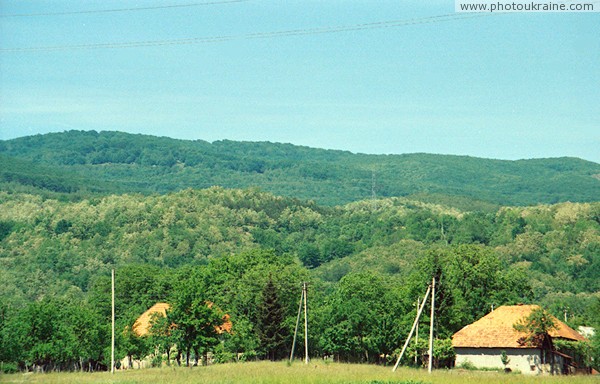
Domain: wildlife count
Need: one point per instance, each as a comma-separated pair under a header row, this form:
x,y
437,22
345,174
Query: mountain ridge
x,y
124,162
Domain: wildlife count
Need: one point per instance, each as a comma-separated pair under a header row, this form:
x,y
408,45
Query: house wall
x,y
525,360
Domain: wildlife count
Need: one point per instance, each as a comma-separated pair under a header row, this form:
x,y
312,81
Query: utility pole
x,y
412,329
302,301
305,324
297,324
431,325
112,342
417,334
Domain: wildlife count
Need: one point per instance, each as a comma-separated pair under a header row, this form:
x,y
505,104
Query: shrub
x,y
467,365
221,356
248,356
157,361
9,367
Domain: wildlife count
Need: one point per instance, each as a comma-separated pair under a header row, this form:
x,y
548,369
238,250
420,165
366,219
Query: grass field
x,y
270,373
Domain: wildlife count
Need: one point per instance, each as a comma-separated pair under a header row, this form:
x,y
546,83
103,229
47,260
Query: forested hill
x,y
78,162
365,262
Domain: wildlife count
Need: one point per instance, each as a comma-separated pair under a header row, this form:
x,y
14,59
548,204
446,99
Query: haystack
x,y
142,325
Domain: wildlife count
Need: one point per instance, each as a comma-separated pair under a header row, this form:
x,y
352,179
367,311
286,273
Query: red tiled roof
x,y
495,330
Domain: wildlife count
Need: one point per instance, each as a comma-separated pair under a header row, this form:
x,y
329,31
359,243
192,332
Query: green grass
x,y
270,373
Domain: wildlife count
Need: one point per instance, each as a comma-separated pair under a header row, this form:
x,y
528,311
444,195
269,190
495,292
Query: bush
x,y
467,365
248,356
580,350
9,367
470,367
157,361
221,356
443,353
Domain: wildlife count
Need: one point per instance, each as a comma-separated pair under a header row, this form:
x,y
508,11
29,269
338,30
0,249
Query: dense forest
x,y
73,165
247,252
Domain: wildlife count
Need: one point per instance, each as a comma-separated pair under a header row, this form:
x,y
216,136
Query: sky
x,y
377,77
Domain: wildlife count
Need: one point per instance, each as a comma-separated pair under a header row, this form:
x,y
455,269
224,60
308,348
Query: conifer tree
x,y
271,330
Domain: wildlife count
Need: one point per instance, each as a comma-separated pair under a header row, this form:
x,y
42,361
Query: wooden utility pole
x,y
305,325
431,325
297,324
417,334
412,329
302,301
112,341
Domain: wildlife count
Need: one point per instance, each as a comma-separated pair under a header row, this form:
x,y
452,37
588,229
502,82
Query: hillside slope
x,y
49,246
139,163
50,181
365,263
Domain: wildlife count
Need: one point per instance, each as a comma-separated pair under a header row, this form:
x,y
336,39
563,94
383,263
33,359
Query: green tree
x,y
417,353
236,284
86,333
10,352
38,333
242,341
271,328
537,327
450,318
473,273
595,350
197,321
161,334
504,359
470,278
135,347
361,320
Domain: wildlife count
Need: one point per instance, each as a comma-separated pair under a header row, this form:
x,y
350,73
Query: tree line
x,y
248,253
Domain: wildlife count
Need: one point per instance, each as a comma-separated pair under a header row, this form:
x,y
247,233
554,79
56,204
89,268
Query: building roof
x,y
495,330
142,325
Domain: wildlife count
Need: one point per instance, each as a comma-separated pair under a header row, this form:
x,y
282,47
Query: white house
x,y
481,343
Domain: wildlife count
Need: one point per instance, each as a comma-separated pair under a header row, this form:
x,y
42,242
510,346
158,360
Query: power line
x,y
259,35
134,9
216,2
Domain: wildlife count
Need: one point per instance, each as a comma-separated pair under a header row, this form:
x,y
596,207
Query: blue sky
x,y
506,86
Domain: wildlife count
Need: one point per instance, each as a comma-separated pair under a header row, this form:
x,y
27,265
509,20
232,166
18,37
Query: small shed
x,y
482,343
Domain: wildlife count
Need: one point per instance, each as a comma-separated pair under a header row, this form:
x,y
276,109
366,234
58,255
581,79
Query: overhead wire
x,y
258,35
132,9
184,5
223,38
